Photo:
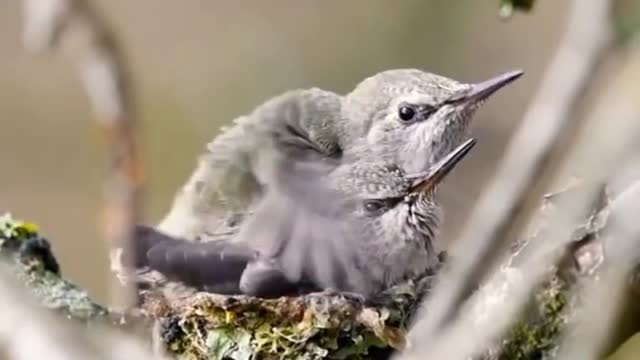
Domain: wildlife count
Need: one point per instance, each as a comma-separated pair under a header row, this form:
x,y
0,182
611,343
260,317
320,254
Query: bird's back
x,y
233,170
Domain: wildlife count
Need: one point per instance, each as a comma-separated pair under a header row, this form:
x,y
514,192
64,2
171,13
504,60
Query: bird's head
x,y
403,112
388,202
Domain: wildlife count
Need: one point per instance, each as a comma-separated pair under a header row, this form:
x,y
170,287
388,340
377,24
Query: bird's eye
x,y
406,113
373,206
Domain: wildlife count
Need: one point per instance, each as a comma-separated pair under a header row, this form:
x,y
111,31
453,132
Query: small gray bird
x,y
356,228
393,115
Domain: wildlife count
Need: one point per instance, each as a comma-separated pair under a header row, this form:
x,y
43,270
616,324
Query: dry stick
x,y
581,49
105,79
610,134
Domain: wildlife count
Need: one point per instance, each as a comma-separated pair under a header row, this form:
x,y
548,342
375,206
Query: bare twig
x,y
103,73
582,47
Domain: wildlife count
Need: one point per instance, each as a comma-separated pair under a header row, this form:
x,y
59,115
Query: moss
x,y
315,326
210,326
535,338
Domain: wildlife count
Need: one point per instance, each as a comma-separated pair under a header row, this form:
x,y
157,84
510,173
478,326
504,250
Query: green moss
x,y
538,336
210,326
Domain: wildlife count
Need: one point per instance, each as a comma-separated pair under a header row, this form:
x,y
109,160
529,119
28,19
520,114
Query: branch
x,y
103,72
28,331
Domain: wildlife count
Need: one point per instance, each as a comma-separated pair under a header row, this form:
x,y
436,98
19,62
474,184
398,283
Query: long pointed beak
x,y
482,90
438,172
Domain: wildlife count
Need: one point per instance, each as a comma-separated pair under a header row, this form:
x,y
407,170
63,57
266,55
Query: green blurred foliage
x,y
508,7
627,19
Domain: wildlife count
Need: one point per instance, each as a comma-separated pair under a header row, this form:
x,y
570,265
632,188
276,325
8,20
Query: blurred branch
x,y
103,73
28,331
586,39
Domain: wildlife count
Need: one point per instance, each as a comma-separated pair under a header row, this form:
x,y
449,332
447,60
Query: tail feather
x,y
213,266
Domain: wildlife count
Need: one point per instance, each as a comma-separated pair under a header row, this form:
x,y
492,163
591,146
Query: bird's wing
x,y
302,228
237,163
296,117
308,227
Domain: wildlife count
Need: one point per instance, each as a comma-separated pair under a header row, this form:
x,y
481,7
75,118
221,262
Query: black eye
x,y
373,205
406,113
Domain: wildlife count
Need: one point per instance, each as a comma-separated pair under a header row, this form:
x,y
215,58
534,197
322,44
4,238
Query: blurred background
x,y
196,65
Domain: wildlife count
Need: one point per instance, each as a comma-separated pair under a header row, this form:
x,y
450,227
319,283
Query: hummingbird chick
x,y
393,115
356,227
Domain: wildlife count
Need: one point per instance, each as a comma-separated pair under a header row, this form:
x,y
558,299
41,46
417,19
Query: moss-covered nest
x,y
316,326
319,326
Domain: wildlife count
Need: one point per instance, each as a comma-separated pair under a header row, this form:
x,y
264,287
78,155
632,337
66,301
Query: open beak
x,y
482,90
439,171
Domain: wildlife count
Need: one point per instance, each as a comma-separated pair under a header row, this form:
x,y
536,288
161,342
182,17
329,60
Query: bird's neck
x,y
424,219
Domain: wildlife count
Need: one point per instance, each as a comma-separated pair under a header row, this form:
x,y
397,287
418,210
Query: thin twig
x,y
104,75
581,49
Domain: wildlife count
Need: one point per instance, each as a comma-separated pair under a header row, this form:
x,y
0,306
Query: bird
x,y
393,114
352,227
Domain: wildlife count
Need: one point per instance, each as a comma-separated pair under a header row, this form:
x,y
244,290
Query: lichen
x,y
31,260
536,337
210,326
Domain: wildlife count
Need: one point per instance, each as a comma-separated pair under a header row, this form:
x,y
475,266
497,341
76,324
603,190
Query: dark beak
x,y
482,90
439,171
